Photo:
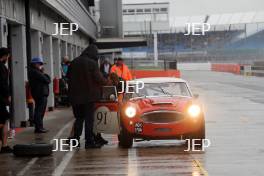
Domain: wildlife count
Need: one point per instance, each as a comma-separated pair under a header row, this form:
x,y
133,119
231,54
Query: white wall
x,y
194,66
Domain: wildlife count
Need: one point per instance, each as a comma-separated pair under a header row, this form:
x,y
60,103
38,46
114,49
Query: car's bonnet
x,y
157,103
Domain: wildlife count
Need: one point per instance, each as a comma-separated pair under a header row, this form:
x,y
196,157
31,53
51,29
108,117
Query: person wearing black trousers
x,y
39,86
5,100
85,81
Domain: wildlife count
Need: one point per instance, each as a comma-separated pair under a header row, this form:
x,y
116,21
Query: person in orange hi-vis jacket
x,y
122,70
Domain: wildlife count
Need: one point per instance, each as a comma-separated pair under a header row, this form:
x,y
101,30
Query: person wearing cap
x,y
39,86
5,100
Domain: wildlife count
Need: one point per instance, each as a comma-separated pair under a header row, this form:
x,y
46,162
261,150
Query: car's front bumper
x,y
137,128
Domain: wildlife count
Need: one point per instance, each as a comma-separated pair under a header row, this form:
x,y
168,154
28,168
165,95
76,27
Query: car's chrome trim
x,y
162,111
170,96
159,103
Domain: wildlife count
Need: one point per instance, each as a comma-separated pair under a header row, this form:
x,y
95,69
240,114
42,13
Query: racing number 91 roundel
x,y
106,121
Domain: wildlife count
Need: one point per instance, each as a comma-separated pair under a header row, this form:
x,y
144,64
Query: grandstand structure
x,y
233,37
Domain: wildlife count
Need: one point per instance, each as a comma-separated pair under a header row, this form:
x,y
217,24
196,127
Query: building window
x,y
125,11
148,10
139,10
164,9
156,10
131,10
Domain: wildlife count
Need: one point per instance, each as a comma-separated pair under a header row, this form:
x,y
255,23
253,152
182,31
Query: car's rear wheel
x,y
125,139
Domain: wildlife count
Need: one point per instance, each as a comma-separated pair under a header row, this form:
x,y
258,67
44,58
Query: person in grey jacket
x,y
85,81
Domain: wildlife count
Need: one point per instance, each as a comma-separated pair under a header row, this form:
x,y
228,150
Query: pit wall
x,y
156,73
217,67
194,66
229,68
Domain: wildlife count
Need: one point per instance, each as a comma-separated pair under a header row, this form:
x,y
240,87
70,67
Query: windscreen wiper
x,y
165,92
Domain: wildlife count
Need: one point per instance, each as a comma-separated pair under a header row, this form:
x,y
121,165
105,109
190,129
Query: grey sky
x,y
203,7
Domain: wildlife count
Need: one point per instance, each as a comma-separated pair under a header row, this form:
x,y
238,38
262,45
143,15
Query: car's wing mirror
x,y
109,93
196,96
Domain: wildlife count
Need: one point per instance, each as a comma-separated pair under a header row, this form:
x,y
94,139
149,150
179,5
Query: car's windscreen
x,y
164,89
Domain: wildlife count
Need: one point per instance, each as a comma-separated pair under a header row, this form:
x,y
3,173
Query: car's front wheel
x,y
198,137
125,139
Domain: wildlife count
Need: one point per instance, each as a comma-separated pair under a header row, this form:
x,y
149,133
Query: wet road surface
x,y
234,108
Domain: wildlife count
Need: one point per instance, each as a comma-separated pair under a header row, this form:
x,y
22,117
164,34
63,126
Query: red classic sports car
x,y
164,108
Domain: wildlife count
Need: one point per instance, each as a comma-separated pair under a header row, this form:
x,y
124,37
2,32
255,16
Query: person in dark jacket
x,y
85,81
105,68
39,86
5,100
65,66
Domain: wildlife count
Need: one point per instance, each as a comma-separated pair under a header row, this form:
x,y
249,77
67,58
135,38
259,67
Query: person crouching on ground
x,y
39,85
5,100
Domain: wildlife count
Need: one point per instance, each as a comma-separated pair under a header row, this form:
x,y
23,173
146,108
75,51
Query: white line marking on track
x,y
34,160
132,163
29,164
65,161
61,131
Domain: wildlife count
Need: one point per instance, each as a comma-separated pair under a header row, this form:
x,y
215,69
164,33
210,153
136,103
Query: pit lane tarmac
x,y
147,158
234,124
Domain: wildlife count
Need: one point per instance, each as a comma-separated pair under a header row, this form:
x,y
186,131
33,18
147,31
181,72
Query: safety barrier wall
x,y
156,73
230,68
194,66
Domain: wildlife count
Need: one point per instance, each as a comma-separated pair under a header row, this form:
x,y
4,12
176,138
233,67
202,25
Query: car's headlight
x,y
194,110
130,111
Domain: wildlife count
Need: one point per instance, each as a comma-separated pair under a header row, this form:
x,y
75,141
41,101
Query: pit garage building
x,y
41,16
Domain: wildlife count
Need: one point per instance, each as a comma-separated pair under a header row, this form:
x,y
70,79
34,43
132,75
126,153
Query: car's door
x,y
106,116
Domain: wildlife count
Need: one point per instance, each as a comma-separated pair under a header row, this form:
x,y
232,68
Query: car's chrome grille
x,y
162,117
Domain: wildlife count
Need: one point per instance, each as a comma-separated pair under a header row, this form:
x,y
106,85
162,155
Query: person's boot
x,y
92,144
6,149
100,140
41,130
